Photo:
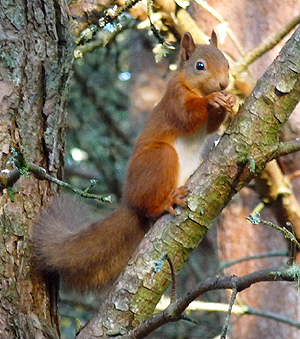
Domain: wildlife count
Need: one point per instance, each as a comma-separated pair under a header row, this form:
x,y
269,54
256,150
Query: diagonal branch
x,y
254,132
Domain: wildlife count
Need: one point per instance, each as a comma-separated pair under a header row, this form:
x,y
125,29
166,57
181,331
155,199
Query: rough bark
x,y
36,57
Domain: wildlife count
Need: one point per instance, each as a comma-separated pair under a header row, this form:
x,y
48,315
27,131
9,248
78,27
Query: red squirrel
x,y
166,153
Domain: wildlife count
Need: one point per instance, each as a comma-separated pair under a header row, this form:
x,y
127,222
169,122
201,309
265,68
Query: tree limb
x,y
174,310
254,132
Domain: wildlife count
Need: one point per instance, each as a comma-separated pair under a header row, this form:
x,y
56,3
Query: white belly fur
x,y
191,152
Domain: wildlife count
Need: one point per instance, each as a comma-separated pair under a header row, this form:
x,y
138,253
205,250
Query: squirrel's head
x,y
204,66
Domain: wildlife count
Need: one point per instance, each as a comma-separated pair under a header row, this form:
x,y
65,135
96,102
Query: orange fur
x,y
168,150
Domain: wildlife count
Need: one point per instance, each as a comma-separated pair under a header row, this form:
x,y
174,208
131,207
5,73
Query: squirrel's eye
x,y
200,66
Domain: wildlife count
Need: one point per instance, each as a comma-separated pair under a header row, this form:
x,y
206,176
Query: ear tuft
x,y
187,46
214,39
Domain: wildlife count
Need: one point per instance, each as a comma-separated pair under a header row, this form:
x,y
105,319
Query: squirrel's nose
x,y
223,85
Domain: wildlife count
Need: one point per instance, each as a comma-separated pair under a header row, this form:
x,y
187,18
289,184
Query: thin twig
x,y
173,275
128,4
255,220
107,16
226,264
111,14
154,30
270,315
226,325
40,173
105,40
265,46
287,234
158,265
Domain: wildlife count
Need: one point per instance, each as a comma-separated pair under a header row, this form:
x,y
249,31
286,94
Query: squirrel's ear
x,y
187,46
214,39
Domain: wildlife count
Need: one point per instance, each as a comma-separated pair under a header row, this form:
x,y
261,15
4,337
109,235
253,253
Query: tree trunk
x,y
35,63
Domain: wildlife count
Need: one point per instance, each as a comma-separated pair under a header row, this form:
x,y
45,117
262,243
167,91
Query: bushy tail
x,y
87,256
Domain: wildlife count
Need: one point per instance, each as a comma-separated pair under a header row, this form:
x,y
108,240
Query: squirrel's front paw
x,y
217,100
230,100
222,100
